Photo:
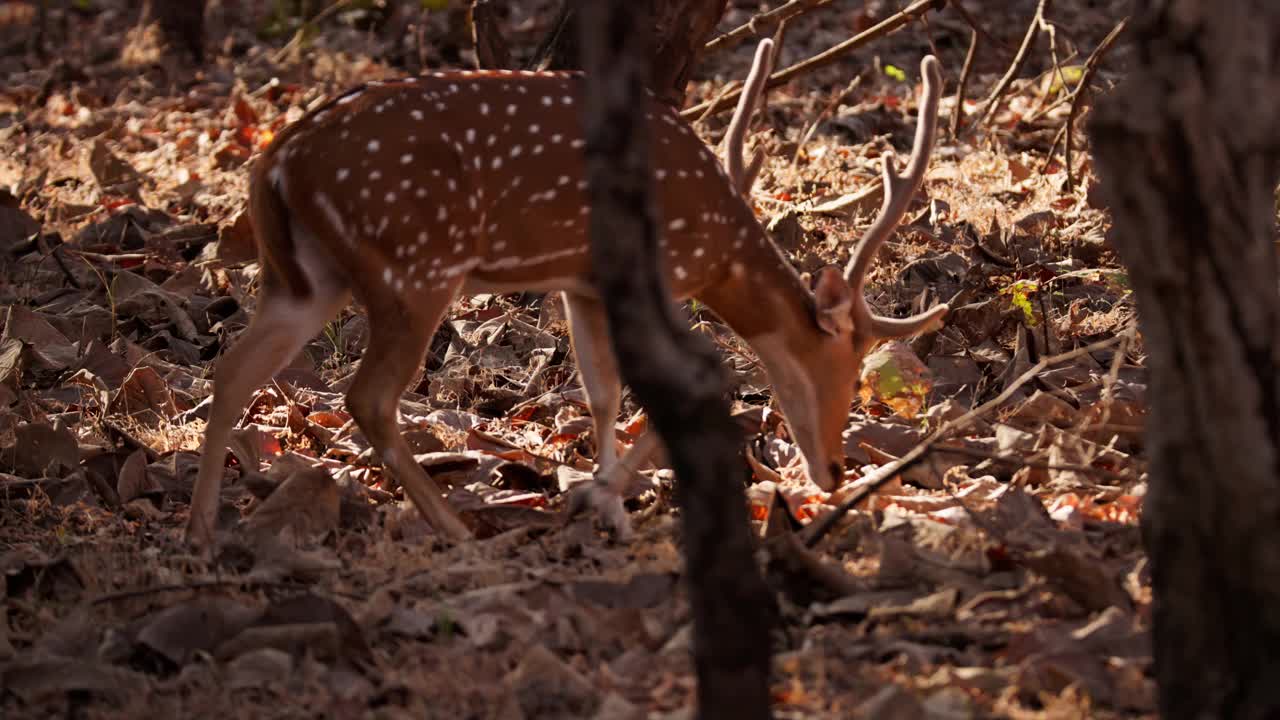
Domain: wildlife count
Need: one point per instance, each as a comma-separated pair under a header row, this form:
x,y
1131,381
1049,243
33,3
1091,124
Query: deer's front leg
x,y
589,331
282,326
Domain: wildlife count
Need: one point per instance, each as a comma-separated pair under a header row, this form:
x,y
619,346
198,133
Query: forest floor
x,y
1001,577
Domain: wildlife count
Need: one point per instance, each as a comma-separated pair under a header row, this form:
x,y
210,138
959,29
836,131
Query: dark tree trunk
x,y
1189,154
680,29
181,22
675,374
491,47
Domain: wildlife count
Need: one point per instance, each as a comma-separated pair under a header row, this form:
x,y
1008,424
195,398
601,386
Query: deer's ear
x,y
832,301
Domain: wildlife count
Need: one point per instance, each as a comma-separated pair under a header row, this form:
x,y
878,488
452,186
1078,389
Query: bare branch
x,y
876,479
757,24
1033,31
896,22
958,110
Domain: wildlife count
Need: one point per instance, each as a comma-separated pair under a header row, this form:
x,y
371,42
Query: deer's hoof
x,y
605,504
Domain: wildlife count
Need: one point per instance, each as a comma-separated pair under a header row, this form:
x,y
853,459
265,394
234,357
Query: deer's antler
x,y
743,177
898,192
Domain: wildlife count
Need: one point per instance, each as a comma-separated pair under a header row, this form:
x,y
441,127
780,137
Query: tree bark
x,y
675,374
680,28
491,48
1189,154
181,22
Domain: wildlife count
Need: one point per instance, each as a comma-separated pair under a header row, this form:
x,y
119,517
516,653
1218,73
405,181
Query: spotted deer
x,y
406,193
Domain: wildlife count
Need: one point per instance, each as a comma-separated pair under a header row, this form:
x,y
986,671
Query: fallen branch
x,y
759,23
1033,30
886,27
883,474
246,585
1037,464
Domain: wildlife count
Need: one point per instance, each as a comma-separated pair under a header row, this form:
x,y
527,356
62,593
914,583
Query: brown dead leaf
x,y
28,570
891,703
545,686
145,397
200,624
10,363
42,679
15,227
49,348
259,668
304,506
1033,540
135,482
303,623
236,244
643,590
42,450
111,173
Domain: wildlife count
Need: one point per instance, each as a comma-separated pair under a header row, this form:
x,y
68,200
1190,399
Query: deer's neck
x,y
762,296
769,306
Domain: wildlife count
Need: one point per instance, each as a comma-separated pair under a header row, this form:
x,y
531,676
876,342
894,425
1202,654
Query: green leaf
x,y
1020,297
434,4
895,72
1070,73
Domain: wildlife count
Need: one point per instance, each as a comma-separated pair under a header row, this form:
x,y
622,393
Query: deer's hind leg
x,y
281,326
399,333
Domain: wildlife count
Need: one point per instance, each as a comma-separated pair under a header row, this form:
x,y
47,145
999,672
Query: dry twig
x,y
759,23
1090,68
912,12
885,473
958,110
1033,30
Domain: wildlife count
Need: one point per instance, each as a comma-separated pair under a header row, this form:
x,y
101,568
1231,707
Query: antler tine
x,y
742,178
899,189
886,328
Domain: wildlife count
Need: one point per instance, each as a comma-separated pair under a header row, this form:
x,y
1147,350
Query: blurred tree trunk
x,y
1189,154
675,374
680,29
491,47
181,22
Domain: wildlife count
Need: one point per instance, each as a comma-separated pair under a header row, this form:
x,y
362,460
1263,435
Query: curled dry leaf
x,y
134,481
31,571
235,244
895,376
145,397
